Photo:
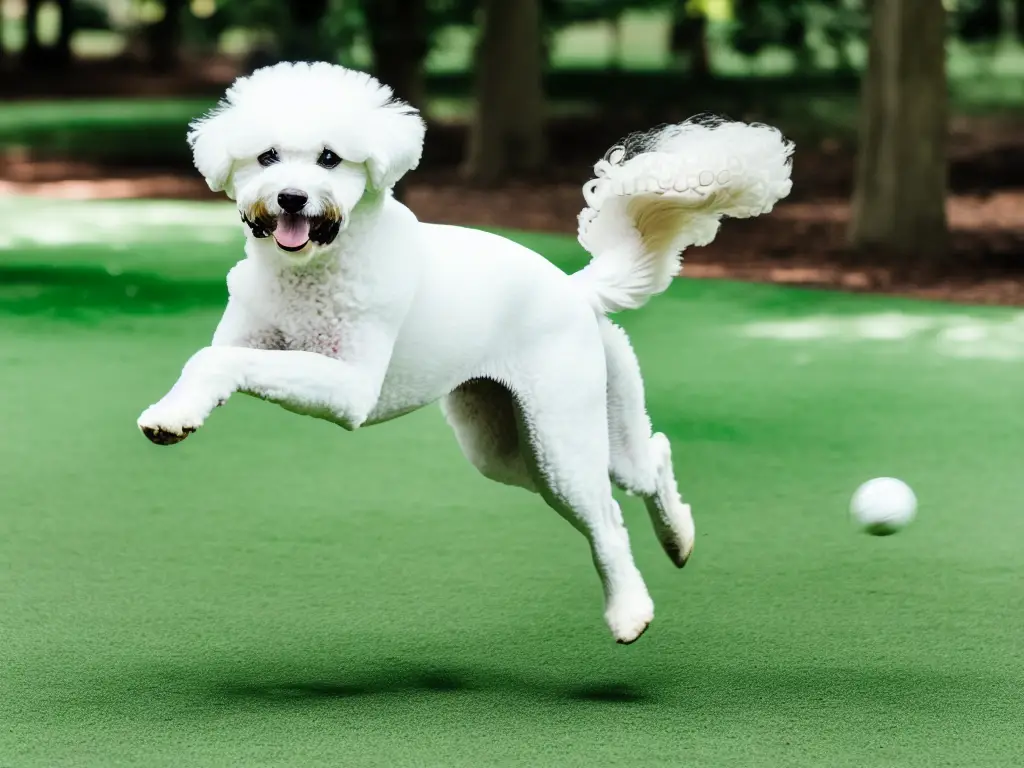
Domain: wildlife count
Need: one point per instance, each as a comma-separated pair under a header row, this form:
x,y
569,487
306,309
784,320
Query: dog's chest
x,y
322,340
300,313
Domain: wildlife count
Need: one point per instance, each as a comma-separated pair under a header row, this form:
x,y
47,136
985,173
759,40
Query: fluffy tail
x,y
659,192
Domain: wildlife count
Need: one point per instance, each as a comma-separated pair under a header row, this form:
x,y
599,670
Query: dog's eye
x,y
328,159
268,158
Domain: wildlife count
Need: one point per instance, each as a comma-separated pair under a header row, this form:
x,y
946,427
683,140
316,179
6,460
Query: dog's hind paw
x,y
629,617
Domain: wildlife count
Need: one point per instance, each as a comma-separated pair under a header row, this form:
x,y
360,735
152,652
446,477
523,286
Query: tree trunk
x,y
1008,23
688,41
62,48
615,28
400,43
32,52
398,38
700,59
304,39
37,56
507,132
899,197
165,38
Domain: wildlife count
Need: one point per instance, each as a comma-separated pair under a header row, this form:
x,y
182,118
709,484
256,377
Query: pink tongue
x,y
292,231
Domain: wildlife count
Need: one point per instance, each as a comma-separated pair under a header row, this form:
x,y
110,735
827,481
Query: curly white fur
x,y
300,105
660,192
391,314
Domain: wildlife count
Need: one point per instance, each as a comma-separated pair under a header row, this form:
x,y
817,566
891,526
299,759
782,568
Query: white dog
x,y
348,309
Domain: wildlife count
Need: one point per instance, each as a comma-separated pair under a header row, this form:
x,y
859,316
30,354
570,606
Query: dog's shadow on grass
x,y
742,687
711,689
438,682
444,682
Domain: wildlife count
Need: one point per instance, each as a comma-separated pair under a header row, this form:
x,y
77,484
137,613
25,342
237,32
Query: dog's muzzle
x,y
293,231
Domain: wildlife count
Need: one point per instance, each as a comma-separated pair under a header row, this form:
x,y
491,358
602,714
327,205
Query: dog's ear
x,y
395,133
208,137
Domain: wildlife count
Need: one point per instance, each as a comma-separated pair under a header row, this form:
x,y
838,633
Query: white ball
x,y
883,506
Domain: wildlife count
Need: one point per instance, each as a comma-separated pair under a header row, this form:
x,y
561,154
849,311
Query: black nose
x,y
291,200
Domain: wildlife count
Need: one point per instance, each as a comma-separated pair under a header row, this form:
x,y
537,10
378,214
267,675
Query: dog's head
x,y
299,145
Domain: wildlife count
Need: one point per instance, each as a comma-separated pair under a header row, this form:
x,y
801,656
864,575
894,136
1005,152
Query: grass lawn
x,y
277,592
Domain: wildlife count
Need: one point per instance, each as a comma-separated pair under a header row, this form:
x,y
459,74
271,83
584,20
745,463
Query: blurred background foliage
x,y
774,57
645,43
729,38
519,89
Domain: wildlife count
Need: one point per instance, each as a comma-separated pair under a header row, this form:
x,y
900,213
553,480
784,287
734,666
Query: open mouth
x,y
293,231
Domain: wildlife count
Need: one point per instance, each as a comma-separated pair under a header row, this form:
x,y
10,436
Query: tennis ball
x,y
883,506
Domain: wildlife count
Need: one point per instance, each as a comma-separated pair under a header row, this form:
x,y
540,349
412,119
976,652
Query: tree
x,y
399,39
688,38
759,24
1009,22
62,48
507,130
34,54
901,178
165,37
990,21
32,51
795,25
304,38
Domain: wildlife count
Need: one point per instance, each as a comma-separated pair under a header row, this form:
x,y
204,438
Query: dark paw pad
x,y
678,558
163,437
630,642
675,554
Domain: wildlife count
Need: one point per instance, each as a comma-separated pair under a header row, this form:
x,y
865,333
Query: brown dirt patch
x,y
800,243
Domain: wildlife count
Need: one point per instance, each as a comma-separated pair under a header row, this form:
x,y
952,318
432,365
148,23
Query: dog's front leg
x,y
303,382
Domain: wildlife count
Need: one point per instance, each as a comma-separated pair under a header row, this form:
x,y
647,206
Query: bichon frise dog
x,y
348,309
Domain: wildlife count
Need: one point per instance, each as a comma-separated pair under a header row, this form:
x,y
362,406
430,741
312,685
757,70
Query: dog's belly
x,y
379,415
404,392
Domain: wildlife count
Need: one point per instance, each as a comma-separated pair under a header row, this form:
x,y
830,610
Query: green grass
x,y
277,592
92,114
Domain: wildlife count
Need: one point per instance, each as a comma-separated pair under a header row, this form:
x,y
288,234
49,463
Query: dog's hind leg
x,y
562,416
640,462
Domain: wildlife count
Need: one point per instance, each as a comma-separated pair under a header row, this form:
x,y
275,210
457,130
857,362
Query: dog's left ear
x,y
208,137
395,132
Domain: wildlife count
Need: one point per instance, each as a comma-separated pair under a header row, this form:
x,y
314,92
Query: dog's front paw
x,y
169,423
162,436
